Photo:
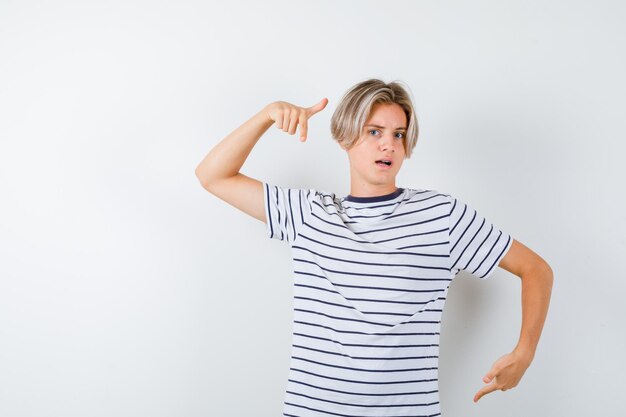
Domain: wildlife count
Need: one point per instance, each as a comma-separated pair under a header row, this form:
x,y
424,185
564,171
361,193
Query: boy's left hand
x,y
505,373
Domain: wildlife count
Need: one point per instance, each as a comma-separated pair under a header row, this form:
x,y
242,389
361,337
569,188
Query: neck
x,y
372,190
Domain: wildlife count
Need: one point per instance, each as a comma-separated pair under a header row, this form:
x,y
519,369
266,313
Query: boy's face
x,y
383,137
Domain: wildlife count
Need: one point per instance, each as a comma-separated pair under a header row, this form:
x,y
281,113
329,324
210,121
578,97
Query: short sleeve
x,y
476,244
286,210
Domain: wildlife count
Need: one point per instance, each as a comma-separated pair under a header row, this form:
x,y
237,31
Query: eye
x,y
402,135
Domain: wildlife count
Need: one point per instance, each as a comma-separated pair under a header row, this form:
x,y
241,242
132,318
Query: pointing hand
x,y
288,116
505,373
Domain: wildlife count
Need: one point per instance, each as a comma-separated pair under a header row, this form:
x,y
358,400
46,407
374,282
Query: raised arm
x,y
219,172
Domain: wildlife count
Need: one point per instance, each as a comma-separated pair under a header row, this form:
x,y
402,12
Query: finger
x,y
489,376
317,107
285,124
303,126
485,390
293,123
493,373
278,121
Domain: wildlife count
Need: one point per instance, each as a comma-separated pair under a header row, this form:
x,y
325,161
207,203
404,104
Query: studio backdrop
x,y
126,289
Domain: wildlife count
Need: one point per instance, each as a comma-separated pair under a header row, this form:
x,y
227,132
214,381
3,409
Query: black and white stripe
x,y
371,276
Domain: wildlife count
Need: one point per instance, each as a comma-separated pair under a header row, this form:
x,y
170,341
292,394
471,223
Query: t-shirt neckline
x,y
376,198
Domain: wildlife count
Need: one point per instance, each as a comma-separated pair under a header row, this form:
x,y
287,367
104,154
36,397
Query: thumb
x,y
489,376
318,107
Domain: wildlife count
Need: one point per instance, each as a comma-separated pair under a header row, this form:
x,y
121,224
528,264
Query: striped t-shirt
x,y
371,275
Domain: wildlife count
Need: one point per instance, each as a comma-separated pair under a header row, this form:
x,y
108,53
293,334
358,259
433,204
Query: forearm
x,y
227,157
536,292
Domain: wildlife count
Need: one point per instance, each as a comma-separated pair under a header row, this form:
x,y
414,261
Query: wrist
x,y
525,352
265,111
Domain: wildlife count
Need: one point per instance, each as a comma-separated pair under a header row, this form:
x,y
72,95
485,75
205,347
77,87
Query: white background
x,y
126,289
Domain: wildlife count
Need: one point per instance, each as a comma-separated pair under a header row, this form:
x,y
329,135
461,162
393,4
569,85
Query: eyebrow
x,y
382,127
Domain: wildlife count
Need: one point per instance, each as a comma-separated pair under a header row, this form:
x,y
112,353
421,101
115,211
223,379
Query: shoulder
x,y
324,199
428,196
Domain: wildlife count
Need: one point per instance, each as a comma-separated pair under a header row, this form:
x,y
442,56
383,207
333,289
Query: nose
x,y
386,142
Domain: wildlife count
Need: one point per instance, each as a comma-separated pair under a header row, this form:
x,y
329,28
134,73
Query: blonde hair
x,y
348,120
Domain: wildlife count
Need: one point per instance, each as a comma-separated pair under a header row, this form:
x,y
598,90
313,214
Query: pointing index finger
x,y
317,107
485,390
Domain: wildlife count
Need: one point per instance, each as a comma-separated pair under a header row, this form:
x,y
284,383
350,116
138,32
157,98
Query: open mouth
x,y
383,162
